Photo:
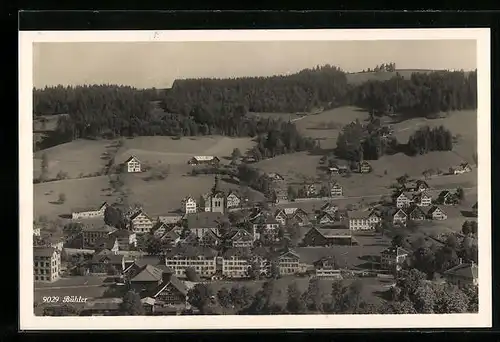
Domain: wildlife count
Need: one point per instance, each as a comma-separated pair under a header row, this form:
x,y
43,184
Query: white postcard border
x,y
28,321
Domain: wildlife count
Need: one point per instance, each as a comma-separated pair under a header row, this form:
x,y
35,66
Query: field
x,y
76,158
83,192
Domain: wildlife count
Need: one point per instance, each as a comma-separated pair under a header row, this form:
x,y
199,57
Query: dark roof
x,y
95,227
261,251
444,193
122,233
105,243
330,233
192,251
148,273
204,220
107,254
474,206
130,158
175,282
434,208
463,270
43,251
241,252
137,213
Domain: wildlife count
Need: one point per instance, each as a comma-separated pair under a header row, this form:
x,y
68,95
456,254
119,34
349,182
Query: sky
x,y
158,64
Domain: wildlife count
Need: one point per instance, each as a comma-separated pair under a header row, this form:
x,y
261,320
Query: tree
x,y
459,194
292,194
200,296
191,274
409,281
424,299
224,297
240,296
295,303
398,240
153,245
62,198
236,154
313,296
450,299
404,307
131,304
114,217
254,270
402,180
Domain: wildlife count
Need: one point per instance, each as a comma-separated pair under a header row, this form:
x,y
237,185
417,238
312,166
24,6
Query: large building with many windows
x,y
46,264
201,259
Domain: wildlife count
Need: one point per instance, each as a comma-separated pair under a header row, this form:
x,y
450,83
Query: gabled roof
x,y
434,208
98,228
474,206
333,232
361,214
400,211
411,210
148,273
239,234
233,193
210,233
204,158
468,271
329,205
170,235
444,193
288,252
175,282
419,195
106,243
204,220
192,252
404,193
139,212
330,216
238,251
107,254
132,157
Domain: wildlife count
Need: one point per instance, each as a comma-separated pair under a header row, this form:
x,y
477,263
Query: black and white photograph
x,y
281,179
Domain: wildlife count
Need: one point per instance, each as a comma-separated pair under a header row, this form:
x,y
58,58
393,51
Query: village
x,y
224,236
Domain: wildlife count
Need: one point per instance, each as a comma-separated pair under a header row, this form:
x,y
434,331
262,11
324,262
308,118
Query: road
x,y
66,287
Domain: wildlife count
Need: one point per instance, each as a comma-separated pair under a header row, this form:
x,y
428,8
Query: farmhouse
x,y
280,216
132,165
422,199
416,213
159,229
106,262
364,167
46,264
239,238
85,213
233,200
109,243
437,213
463,274
125,238
146,278
400,217
447,198
189,205
462,168
202,259
325,218
363,220
392,258
210,239
170,238
281,195
141,223
328,236
289,263
418,185
403,200
329,208
200,223
300,217
310,190
336,189
200,160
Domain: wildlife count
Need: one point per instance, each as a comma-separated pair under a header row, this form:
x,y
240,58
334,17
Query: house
x,y
341,215
201,259
281,195
125,238
328,236
474,209
189,205
400,217
336,190
281,216
233,200
289,263
133,164
403,200
463,274
46,264
145,279
275,177
462,168
240,239
436,213
170,238
422,199
109,243
92,233
445,197
85,213
327,268
421,185
159,229
210,239
106,262
236,262
416,213
36,231
171,292
200,160
329,208
200,223
364,167
310,190
325,218
140,223
300,217
363,220
392,258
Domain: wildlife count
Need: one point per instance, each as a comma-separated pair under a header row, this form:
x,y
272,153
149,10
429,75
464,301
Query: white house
x,y
363,220
422,199
189,205
85,213
141,223
403,200
437,213
400,217
232,200
336,190
133,164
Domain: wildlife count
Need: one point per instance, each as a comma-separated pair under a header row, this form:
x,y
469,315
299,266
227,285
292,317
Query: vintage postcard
x,y
284,179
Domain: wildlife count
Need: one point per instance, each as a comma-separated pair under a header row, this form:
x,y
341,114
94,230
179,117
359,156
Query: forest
x,y
221,106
